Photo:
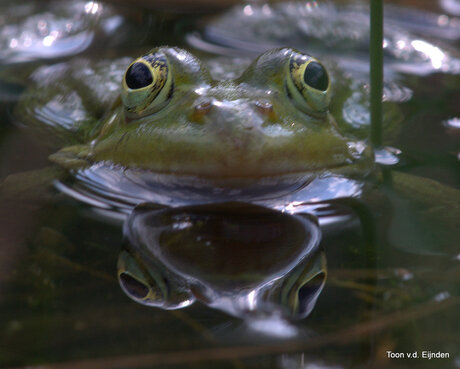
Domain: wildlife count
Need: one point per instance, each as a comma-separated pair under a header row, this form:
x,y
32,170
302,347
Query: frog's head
x,y
272,120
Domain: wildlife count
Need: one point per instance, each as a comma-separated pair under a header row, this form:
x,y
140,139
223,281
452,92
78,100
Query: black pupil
x,y
138,75
315,76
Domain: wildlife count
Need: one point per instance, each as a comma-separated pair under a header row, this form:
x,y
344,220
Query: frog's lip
x,y
211,162
364,163
242,179
249,171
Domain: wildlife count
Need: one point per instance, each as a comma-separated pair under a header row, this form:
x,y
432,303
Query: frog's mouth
x,y
224,160
271,176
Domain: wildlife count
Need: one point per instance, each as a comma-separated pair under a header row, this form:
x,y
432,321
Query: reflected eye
x,y
308,83
136,281
139,288
149,284
308,292
147,84
303,286
133,287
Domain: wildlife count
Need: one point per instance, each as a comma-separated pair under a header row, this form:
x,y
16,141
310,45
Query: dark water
x,y
61,305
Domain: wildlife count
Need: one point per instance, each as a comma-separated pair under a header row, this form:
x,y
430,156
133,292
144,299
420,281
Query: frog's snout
x,y
236,114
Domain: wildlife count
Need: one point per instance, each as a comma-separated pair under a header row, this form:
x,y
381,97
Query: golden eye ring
x,y
308,83
147,84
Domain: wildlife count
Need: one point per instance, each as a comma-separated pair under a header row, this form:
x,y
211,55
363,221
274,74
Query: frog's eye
x,y
308,83
147,84
138,76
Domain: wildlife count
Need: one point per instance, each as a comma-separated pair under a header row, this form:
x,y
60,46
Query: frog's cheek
x,y
152,285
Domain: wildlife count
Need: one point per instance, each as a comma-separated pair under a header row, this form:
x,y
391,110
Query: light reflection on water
x,y
51,30
324,28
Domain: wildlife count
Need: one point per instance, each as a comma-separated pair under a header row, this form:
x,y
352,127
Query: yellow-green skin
x,y
252,126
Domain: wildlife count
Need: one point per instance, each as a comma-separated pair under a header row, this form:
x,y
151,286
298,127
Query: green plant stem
x,y
376,63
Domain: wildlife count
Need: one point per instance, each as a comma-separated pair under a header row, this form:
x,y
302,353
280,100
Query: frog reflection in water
x,y
249,261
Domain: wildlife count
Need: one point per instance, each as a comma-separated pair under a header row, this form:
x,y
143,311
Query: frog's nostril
x,y
204,107
200,110
266,108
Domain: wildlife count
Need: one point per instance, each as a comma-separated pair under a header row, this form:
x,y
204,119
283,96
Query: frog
x,y
192,138
174,133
